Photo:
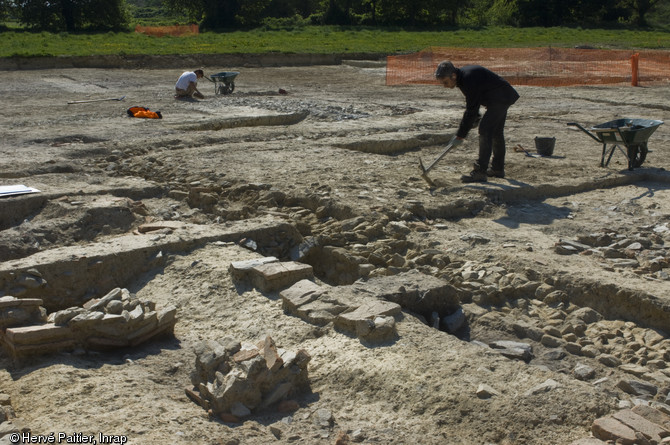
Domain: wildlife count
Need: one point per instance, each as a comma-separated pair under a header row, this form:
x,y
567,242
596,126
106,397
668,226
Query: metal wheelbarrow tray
x,y
224,82
631,133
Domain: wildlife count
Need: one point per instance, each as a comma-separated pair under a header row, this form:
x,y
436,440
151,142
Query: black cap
x,y
445,69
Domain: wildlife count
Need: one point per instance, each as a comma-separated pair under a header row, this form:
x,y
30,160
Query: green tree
x,y
219,14
207,13
290,8
72,15
503,12
475,13
105,15
5,8
640,9
337,12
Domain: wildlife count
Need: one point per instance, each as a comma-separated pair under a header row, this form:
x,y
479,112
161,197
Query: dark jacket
x,y
481,87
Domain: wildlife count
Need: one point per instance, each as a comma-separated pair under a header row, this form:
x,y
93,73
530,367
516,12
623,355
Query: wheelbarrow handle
x,y
575,124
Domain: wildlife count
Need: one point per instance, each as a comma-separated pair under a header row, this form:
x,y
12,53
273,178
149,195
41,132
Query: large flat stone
x,y
6,302
653,415
367,311
609,428
20,351
31,335
414,291
302,292
320,312
242,270
638,423
270,277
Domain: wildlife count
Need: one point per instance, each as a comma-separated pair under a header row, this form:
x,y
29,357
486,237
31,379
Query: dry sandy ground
x,y
350,144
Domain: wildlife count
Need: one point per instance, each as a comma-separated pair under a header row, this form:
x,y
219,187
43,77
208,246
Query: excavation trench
x,y
341,248
534,317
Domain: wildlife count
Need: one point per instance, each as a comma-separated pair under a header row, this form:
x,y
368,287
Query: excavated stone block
x,y
149,324
105,343
369,310
638,423
14,302
33,335
412,290
653,415
242,270
167,315
609,428
302,292
18,352
274,276
20,311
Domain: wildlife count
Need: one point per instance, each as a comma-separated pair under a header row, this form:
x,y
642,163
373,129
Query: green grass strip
x,y
320,40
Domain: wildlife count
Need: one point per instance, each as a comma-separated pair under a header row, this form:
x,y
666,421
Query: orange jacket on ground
x,y
144,113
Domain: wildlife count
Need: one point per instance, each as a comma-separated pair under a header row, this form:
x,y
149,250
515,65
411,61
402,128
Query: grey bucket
x,y
545,146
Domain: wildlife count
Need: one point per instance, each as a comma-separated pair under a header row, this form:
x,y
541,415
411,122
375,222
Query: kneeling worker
x,y
187,84
481,87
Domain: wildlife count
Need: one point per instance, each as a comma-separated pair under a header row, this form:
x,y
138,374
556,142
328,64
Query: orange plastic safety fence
x,y
538,66
160,31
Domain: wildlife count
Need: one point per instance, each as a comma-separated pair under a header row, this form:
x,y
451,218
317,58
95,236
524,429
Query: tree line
x,y
106,15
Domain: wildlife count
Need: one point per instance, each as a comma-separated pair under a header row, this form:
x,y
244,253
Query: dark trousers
x,y
492,138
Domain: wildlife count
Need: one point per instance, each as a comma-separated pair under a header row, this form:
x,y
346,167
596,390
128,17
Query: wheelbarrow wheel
x,y
636,155
226,89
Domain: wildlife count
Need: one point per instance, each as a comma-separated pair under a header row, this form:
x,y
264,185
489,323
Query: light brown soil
x,y
355,153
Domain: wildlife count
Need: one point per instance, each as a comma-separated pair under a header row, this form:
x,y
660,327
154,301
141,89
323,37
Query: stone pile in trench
x,y
367,310
118,319
542,313
232,380
644,252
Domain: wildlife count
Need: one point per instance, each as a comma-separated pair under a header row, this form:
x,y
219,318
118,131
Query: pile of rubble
x,y
366,310
644,252
118,319
232,379
544,314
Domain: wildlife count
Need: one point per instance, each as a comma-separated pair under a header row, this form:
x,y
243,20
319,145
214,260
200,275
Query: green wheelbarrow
x,y
224,82
630,133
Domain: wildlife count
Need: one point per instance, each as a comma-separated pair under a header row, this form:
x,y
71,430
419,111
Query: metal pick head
x,y
423,169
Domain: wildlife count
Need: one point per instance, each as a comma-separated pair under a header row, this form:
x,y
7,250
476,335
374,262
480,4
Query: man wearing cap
x,y
187,85
481,87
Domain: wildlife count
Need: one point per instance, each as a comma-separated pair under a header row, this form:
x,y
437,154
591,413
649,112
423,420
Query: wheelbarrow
x,y
630,133
224,82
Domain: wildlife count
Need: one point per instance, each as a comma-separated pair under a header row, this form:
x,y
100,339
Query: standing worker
x,y
481,87
187,84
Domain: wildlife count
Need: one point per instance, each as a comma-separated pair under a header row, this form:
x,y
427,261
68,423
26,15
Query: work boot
x,y
474,176
495,173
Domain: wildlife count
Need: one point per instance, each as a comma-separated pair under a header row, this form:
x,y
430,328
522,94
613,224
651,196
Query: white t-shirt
x,y
185,79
